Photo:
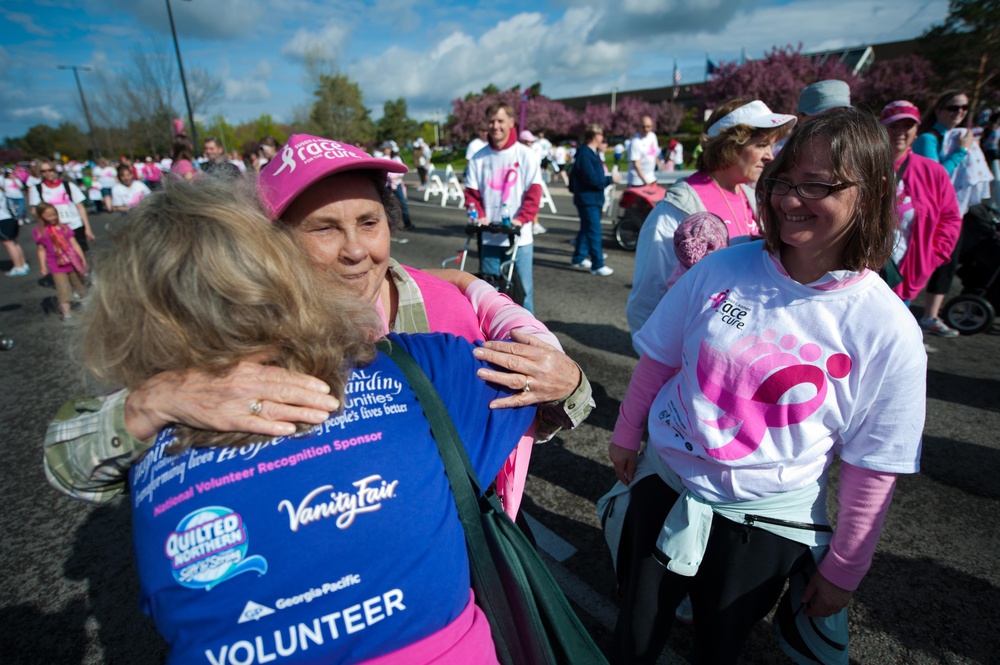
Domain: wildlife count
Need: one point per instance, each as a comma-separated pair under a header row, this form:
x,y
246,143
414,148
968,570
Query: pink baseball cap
x,y
304,161
527,136
900,110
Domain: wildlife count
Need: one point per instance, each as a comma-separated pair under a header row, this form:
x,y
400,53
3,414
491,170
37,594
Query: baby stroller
x,y
979,268
635,206
507,281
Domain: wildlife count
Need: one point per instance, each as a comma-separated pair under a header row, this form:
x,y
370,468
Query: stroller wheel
x,y
627,230
968,314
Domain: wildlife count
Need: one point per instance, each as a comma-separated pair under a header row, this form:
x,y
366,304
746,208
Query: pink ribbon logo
x,y
749,380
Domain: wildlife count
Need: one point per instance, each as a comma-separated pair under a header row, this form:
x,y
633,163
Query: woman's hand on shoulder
x,y
823,597
540,371
223,403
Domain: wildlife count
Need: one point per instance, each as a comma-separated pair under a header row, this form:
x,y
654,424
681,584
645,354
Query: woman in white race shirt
x,y
761,364
67,199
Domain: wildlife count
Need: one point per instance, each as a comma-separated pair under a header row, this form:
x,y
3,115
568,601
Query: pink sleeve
x,y
499,315
864,497
530,204
647,380
472,196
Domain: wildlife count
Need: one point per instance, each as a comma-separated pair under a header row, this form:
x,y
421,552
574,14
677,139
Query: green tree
x,y
39,141
395,124
218,127
965,48
338,111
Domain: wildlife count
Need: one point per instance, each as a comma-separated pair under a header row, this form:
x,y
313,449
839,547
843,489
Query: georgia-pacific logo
x,y
209,547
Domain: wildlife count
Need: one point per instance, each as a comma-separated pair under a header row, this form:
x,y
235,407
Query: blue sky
x,y
428,52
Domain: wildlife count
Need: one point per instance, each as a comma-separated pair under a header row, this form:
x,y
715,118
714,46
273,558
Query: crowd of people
x,y
769,309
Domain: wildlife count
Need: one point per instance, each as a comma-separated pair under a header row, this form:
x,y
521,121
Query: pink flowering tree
x,y
776,79
910,77
541,114
594,114
668,117
627,118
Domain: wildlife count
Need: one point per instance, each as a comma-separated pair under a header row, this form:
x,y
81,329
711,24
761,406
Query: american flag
x,y
677,74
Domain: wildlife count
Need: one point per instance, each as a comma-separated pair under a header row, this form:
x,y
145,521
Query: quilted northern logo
x,y
209,547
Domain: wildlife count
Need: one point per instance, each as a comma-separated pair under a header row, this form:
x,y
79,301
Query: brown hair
x,y
492,109
930,116
42,207
196,276
591,131
720,152
859,153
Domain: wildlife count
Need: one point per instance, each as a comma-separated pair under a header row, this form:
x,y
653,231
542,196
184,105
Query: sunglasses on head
x,y
956,108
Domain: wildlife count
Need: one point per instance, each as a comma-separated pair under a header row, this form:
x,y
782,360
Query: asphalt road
x,y
69,593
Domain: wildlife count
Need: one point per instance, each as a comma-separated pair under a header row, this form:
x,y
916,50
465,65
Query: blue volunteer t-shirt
x,y
336,545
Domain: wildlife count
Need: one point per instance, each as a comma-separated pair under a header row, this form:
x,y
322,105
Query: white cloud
x,y
247,89
329,41
519,50
38,113
262,70
27,23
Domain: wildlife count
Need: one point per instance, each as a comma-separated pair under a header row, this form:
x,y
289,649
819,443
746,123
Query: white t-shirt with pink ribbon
x,y
776,377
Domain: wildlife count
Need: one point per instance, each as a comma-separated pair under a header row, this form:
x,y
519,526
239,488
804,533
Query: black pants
x,y
738,582
80,234
940,280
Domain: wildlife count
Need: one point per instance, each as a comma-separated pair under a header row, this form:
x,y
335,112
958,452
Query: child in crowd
x,y
60,254
128,192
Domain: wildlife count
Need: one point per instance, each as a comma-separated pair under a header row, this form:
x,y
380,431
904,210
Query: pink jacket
x,y
936,223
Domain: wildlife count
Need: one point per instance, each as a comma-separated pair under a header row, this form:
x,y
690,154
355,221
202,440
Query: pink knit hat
x,y
900,110
699,235
304,161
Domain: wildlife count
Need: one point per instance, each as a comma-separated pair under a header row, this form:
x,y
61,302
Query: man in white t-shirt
x,y
642,151
506,175
476,144
67,199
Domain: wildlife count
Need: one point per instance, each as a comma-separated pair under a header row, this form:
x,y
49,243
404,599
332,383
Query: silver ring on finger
x,y
256,407
527,384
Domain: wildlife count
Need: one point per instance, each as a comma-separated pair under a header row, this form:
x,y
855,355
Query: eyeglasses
x,y
47,170
957,108
807,190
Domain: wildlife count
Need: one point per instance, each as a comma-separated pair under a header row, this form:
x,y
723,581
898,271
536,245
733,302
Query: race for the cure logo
x,y
763,382
312,149
209,547
345,506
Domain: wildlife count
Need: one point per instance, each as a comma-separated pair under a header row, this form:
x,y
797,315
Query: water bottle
x,y
505,215
473,214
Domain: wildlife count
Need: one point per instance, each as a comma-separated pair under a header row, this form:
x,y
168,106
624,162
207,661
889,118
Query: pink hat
x,y
527,136
900,110
304,161
699,235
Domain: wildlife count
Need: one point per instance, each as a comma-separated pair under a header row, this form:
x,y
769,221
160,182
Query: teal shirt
x,y
929,145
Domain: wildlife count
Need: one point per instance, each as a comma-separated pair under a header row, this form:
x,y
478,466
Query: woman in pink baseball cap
x,y
929,220
332,199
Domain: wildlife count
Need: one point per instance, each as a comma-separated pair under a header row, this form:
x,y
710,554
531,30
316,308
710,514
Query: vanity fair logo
x,y
368,496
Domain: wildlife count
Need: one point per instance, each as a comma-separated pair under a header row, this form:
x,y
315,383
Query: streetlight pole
x,y
76,73
180,66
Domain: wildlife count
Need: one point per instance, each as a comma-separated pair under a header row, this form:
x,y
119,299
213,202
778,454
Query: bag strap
x,y
491,596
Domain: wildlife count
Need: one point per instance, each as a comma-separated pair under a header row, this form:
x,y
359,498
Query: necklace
x,y
743,203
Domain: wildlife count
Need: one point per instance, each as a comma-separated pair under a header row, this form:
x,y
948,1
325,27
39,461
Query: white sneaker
x,y
603,271
584,265
25,269
538,229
